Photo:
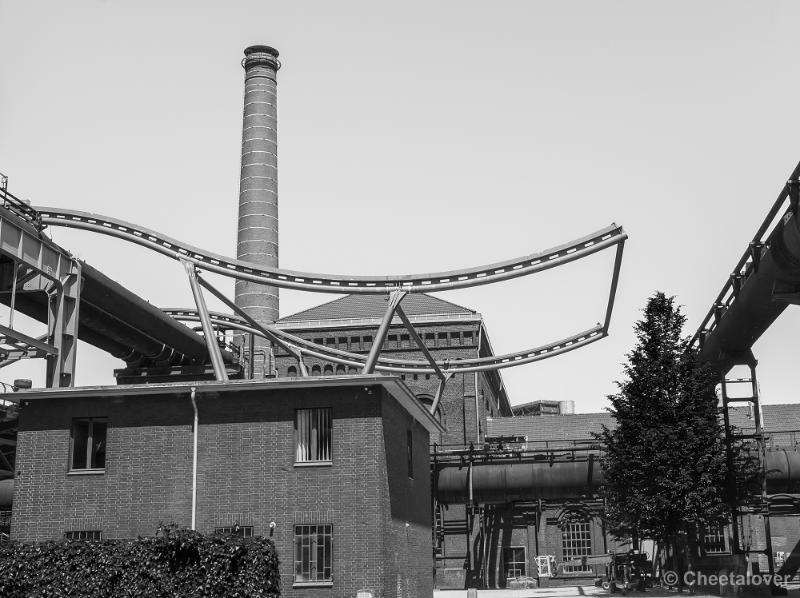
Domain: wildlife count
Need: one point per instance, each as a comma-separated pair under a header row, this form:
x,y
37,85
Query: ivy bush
x,y
175,563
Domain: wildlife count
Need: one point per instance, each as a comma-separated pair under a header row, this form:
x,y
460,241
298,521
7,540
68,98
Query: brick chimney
x,y
257,239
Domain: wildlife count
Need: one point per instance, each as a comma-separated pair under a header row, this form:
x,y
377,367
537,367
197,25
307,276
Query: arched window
x,y
328,370
352,370
291,372
315,371
339,370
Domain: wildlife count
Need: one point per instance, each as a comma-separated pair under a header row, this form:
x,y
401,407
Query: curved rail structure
x,y
301,345
330,283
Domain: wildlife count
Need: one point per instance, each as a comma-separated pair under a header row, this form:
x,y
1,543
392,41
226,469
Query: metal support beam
x,y
372,359
63,306
265,330
420,343
440,392
614,281
205,320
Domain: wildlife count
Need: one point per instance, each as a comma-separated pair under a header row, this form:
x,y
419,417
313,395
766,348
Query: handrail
x,y
744,267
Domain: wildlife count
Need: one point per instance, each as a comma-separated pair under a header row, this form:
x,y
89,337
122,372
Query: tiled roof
x,y
374,306
550,427
777,420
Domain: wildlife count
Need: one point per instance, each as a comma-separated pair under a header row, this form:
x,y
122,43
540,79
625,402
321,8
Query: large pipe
x,y
762,297
510,482
257,239
487,483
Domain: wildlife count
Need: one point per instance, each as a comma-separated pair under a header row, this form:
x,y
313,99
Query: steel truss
x,y
29,262
397,287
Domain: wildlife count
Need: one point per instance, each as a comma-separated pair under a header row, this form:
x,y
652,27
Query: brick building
x,y
335,470
451,332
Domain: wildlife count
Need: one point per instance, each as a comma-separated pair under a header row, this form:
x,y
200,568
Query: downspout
x,y
194,457
477,409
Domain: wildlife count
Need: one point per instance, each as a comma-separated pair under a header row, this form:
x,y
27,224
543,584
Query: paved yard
x,y
564,592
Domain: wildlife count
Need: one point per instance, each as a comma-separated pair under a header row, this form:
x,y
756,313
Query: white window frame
x,y
575,547
521,573
306,537
91,421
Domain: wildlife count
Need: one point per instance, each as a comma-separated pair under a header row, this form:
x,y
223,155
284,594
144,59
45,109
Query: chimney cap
x,y
260,50
265,56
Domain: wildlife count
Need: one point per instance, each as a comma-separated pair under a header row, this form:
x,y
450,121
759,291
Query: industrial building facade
x,y
335,471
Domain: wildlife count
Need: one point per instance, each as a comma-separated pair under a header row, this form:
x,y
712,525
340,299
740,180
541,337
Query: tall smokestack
x,y
257,239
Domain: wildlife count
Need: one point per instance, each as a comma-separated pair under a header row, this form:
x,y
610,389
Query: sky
x,y
417,137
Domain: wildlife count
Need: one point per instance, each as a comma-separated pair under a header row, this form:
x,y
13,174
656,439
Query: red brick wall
x,y
246,475
458,402
408,548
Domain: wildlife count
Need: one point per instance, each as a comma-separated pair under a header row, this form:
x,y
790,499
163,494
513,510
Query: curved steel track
x,y
332,283
228,322
610,236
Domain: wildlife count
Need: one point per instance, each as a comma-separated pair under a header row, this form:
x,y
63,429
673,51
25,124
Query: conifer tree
x,y
665,464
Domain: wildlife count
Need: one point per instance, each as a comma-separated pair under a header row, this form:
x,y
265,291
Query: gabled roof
x,y
363,307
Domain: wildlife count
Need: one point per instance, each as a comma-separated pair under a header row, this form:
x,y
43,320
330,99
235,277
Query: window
x,y
319,341
316,370
84,535
455,338
355,343
89,443
328,370
313,435
242,531
312,553
405,341
468,338
330,341
343,342
367,342
429,336
715,541
442,339
292,371
410,453
514,561
576,541
392,341
339,370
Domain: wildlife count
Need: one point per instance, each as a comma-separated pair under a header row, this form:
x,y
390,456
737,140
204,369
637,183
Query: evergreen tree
x,y
665,463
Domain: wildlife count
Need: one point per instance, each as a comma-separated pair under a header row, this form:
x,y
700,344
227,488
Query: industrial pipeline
x,y
564,477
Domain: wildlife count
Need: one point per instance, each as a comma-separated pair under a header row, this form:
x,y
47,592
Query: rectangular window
x,y
429,339
455,338
242,531
442,339
355,343
405,341
410,453
576,542
84,535
715,540
514,561
468,338
312,431
313,553
391,341
89,443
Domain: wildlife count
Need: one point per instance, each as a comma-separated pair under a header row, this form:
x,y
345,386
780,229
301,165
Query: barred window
x,y
576,541
514,561
313,435
714,540
89,443
313,553
242,531
84,535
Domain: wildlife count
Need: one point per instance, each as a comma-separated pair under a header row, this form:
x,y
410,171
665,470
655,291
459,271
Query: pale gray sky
x,y
423,136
